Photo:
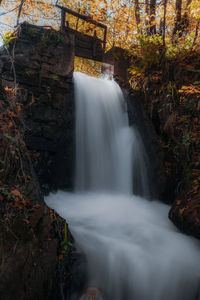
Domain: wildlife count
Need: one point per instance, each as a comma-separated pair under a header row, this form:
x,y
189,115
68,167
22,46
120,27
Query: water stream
x,y
134,252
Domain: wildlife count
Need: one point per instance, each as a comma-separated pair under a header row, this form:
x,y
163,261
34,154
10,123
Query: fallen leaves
x,y
190,90
16,193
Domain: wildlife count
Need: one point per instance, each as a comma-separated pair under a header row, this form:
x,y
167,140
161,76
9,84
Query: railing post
x,y
63,15
94,50
104,40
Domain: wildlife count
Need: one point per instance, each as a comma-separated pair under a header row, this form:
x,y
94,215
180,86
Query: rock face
x,y
155,167
28,259
185,215
30,234
43,67
172,104
37,136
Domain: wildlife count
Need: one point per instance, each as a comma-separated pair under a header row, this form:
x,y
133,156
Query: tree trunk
x,y
164,21
147,16
152,16
185,19
177,25
19,11
137,15
188,3
196,33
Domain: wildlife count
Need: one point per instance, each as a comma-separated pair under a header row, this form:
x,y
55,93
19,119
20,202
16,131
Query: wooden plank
x,y
84,38
88,53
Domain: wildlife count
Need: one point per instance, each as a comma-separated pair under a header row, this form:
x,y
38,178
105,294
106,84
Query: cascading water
x,y
107,149
133,251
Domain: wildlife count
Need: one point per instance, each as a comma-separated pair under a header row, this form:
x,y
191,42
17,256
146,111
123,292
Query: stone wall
x,y
43,63
38,67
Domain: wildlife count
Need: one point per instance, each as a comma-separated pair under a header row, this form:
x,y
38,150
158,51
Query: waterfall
x,y
133,250
107,149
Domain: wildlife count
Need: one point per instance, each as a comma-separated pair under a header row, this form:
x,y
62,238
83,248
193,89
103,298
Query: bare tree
x,y
19,11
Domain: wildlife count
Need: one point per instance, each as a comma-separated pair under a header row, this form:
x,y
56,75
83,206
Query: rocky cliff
x,y
41,62
171,97
37,156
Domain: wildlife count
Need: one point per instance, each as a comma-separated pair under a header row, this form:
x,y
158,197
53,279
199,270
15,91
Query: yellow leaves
x,y
119,16
189,89
87,66
181,210
195,9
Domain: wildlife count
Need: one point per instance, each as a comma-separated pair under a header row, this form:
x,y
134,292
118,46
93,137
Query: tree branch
x,y
19,12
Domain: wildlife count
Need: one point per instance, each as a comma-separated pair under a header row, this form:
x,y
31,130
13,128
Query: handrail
x,y
83,17
65,10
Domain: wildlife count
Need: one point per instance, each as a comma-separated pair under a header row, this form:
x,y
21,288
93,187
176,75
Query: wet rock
x,y
155,167
71,277
92,293
185,215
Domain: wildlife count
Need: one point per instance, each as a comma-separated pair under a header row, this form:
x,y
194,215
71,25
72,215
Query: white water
x,y
133,251
107,149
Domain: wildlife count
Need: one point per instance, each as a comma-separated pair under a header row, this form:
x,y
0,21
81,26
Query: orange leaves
x,y
181,210
12,114
10,124
19,108
37,154
60,257
32,100
190,89
120,16
37,206
26,221
16,193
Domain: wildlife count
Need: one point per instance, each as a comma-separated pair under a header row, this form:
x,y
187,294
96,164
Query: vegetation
x,y
125,19
149,29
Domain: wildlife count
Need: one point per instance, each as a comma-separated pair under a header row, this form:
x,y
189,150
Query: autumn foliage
x,y
176,22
